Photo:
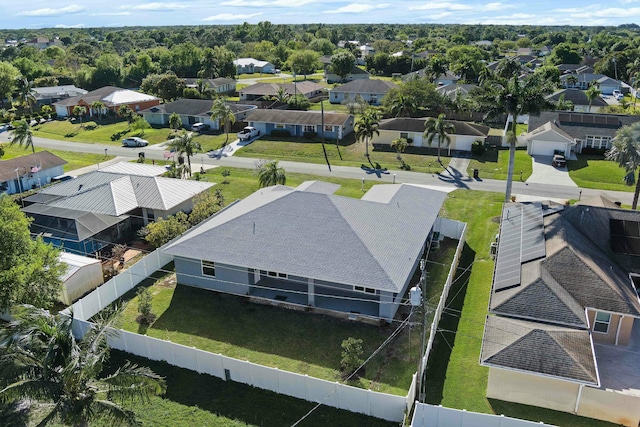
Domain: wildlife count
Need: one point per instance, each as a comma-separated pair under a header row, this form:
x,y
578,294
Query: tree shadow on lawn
x,y
237,401
583,161
489,156
442,346
235,321
14,413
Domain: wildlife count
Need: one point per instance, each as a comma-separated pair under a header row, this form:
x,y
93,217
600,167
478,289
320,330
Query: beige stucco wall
x,y
610,336
610,406
532,390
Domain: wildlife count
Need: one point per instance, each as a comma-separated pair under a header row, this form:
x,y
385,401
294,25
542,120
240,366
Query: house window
x,y
602,322
208,268
365,290
309,128
404,135
598,141
335,96
273,274
279,126
328,128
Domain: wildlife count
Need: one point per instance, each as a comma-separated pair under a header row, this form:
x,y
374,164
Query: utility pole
x,y
418,298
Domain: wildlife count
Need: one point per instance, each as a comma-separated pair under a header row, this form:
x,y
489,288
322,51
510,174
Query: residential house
x,y
455,90
371,91
112,97
50,94
44,42
192,111
30,171
442,80
102,207
563,331
299,123
309,248
579,100
356,73
583,80
251,66
412,129
220,85
265,91
567,132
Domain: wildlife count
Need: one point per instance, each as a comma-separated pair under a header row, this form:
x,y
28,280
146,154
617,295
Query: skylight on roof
x,y
625,236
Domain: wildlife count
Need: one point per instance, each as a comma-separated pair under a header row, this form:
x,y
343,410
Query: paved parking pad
x,y
544,173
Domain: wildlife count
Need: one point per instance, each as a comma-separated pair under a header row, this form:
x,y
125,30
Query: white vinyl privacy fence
x,y
337,395
426,415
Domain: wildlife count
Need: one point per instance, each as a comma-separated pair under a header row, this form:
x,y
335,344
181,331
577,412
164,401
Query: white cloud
x,y
69,26
495,6
439,16
111,14
441,5
72,8
358,8
267,3
157,7
230,17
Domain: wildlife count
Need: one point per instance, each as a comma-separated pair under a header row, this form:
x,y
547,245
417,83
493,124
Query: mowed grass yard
x,y
348,153
74,160
592,171
494,164
454,377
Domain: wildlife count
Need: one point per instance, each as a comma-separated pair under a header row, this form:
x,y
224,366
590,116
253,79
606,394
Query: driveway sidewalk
x,y
545,173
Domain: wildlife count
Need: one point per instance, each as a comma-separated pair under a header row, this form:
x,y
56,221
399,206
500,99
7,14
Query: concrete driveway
x,y
544,173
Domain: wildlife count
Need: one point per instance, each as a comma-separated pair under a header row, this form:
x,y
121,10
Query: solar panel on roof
x,y
521,240
600,120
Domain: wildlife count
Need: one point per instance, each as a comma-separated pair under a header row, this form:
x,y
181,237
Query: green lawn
x,y
494,163
74,160
455,378
93,132
302,150
202,400
592,171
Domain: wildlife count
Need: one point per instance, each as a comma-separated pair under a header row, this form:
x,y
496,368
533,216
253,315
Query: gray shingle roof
x,y
366,86
538,348
191,107
296,117
269,89
577,96
407,124
580,131
321,236
43,158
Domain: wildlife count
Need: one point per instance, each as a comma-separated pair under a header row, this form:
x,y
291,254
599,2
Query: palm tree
x,y
184,144
366,127
400,144
126,112
26,96
175,121
280,95
440,128
22,135
592,93
403,106
271,174
97,106
203,88
572,80
79,111
41,360
625,149
220,110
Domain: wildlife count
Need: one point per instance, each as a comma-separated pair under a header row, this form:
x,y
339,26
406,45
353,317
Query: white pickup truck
x,y
248,133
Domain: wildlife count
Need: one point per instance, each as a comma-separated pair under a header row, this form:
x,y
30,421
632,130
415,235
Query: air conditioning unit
x,y
493,250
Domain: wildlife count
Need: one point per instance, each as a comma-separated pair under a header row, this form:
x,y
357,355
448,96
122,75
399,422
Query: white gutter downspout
x,y
575,410
618,330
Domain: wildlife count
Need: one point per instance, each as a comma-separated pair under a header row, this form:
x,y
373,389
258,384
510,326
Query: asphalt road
x,y
451,180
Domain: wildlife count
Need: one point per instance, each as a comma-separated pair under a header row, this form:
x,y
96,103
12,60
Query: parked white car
x,y
134,141
248,133
617,95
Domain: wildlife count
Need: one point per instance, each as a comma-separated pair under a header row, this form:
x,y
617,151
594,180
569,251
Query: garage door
x,y
545,148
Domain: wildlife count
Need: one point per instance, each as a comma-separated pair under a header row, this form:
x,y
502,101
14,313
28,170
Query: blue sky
x,y
82,13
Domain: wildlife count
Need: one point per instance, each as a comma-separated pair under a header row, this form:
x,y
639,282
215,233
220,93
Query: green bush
x,y
146,317
351,357
478,148
281,132
309,135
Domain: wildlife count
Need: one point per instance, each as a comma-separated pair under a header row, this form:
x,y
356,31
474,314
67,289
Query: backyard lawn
x,y
592,171
454,377
494,163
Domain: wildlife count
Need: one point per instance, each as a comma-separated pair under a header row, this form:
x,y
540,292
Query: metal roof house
x,y
112,97
308,247
26,172
371,91
564,325
89,212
